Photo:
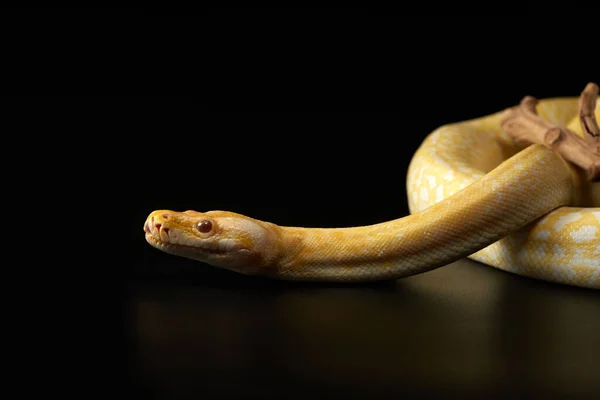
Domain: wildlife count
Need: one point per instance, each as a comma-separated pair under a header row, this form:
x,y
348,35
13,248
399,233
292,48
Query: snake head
x,y
219,238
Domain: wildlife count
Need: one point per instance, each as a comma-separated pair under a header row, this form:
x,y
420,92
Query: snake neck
x,y
466,222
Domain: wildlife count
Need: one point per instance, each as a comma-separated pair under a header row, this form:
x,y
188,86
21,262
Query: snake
x,y
473,192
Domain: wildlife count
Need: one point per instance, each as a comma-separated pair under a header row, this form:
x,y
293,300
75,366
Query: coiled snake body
x,y
472,193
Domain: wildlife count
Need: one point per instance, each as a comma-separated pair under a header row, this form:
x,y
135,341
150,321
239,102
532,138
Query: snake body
x,y
472,193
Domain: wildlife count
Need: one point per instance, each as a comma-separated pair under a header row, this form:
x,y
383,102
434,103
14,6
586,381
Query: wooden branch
x,y
587,104
524,125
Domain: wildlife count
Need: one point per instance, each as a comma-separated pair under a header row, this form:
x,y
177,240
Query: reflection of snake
x,y
472,192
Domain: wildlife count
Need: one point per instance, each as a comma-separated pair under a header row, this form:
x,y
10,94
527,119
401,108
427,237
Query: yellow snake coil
x,y
472,193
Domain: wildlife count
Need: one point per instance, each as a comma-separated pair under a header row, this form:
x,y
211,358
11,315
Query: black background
x,y
300,116
316,127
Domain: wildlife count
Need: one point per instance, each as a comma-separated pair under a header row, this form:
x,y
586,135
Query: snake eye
x,y
204,226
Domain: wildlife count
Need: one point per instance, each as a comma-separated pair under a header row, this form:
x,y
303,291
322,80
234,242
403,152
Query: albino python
x,y
473,192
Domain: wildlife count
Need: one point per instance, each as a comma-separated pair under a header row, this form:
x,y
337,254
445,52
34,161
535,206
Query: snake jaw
x,y
162,234
224,246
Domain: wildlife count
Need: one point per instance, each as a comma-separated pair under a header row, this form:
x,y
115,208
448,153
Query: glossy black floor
x,y
462,331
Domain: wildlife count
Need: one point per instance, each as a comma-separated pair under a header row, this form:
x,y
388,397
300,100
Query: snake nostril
x,y
158,226
166,231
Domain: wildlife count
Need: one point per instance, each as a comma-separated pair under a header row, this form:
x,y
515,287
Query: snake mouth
x,y
162,245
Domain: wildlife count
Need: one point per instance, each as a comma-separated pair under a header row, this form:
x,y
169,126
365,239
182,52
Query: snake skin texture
x,y
472,193
563,246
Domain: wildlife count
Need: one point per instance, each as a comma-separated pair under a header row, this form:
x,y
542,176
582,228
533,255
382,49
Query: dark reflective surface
x,y
465,330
